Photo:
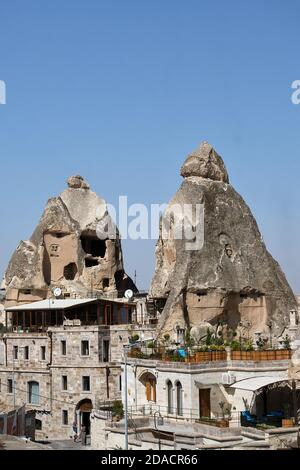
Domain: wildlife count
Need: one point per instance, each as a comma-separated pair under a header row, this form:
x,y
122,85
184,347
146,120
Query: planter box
x,y
283,354
201,356
236,355
288,423
263,355
256,355
223,423
271,355
190,359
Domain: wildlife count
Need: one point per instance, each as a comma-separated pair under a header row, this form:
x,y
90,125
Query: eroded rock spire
x,y
206,163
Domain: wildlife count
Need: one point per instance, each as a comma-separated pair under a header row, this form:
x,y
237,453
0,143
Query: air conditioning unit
x,y
228,379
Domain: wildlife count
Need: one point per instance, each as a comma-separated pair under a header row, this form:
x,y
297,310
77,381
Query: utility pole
x,y
126,398
13,380
127,347
295,407
156,427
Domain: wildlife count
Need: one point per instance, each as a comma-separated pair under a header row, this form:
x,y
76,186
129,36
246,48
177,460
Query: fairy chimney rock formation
x,y
231,279
69,249
205,163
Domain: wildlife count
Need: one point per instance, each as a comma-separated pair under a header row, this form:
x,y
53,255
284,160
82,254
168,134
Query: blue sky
x,y
122,91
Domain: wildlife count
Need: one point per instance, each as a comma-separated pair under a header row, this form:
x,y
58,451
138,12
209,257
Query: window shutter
x,y
154,390
148,390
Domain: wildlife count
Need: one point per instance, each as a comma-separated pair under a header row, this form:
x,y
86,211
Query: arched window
x,y
33,393
179,399
170,397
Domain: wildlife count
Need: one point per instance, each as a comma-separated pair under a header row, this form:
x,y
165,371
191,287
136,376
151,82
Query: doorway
x,y
86,422
204,403
83,414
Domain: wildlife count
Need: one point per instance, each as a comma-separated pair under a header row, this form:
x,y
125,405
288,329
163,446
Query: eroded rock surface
x,y
232,278
68,249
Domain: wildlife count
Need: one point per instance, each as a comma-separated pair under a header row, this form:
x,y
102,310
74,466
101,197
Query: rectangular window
x,y
33,393
65,417
26,353
15,352
105,350
64,382
86,386
9,386
85,348
43,353
63,348
120,383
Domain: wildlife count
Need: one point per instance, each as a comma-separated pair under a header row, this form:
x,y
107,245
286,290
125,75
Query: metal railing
x,y
185,414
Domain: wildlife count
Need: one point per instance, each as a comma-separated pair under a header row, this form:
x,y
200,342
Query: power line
x,y
38,395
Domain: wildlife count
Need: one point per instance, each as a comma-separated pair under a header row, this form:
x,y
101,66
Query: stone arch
x,y
82,415
179,398
170,404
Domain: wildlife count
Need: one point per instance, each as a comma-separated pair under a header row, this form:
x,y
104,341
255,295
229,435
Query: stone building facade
x,y
65,371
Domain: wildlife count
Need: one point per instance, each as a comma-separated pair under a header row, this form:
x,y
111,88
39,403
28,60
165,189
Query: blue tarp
x,y
181,352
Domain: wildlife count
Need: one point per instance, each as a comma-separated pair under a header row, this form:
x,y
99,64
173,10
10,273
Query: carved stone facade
x,y
231,277
75,247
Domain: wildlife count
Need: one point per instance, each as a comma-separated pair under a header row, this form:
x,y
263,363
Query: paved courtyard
x,y
18,443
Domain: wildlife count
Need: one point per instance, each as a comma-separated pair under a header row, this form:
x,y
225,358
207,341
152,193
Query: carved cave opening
x,y
90,263
93,246
70,271
119,276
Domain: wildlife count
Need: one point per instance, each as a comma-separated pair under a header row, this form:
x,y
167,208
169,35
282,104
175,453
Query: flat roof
x,y
60,304
50,304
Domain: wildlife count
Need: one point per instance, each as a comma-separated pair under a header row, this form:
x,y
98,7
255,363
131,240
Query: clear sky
x,y
121,91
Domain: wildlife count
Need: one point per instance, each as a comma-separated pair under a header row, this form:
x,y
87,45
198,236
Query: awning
x,y
255,383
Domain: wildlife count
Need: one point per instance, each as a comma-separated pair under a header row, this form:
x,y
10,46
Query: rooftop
x,y
60,304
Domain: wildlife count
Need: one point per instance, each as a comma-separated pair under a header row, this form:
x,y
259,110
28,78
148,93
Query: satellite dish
x,y
129,294
57,292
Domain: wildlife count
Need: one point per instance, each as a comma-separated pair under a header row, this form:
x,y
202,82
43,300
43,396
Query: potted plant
x,y
224,422
117,410
189,342
220,353
202,354
134,338
236,353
